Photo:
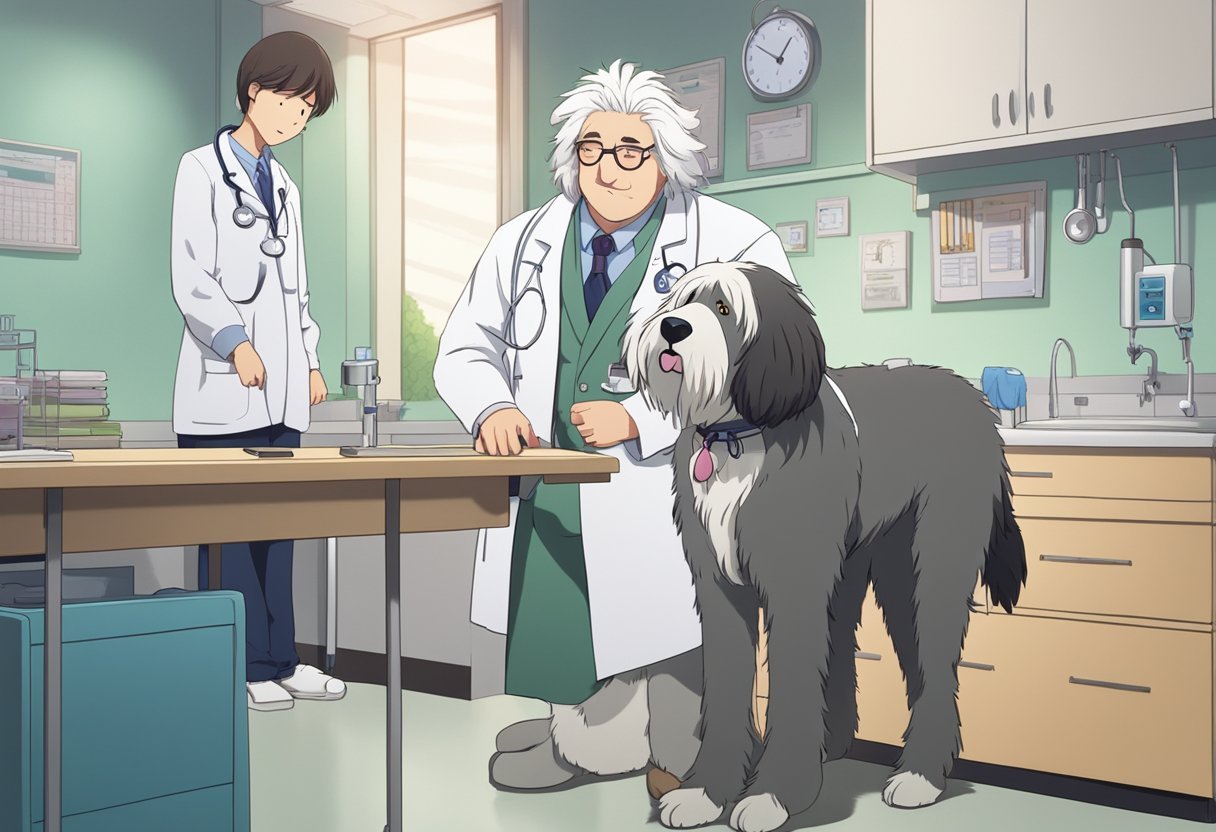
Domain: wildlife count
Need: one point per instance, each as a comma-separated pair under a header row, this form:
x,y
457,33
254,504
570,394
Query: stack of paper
x,y
35,455
70,409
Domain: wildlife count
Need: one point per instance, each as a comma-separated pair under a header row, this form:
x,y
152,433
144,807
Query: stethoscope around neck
x,y
243,215
664,279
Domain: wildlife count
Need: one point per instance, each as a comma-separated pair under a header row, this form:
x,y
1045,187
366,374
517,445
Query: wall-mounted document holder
x,y
989,242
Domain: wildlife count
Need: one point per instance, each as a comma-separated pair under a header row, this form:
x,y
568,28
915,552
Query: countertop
x,y
1031,438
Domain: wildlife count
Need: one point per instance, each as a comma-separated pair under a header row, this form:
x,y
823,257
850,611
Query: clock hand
x,y
781,57
770,54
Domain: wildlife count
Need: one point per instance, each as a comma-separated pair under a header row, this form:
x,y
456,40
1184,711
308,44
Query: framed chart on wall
x,y
700,87
39,197
989,242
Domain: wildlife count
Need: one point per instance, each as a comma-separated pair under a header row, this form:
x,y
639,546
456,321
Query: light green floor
x,y
320,768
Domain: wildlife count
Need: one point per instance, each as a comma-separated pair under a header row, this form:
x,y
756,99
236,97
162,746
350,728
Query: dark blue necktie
x,y
266,190
597,284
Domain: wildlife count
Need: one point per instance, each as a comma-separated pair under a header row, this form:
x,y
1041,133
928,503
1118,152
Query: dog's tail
x,y
1005,559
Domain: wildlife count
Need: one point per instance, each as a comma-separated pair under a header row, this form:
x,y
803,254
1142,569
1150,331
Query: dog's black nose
x,y
675,330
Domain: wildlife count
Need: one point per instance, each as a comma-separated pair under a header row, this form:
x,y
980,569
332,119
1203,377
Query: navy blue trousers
x,y
260,571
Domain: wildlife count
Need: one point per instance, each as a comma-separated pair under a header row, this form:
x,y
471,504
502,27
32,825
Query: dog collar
x,y
732,433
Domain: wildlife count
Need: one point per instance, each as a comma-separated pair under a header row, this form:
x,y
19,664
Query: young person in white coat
x,y
248,371
589,583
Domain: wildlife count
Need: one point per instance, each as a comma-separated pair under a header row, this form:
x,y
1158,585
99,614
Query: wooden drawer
x,y
1126,476
1129,705
882,701
1150,570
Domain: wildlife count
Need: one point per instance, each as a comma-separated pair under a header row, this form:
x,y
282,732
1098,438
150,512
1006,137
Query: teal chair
x,y
155,720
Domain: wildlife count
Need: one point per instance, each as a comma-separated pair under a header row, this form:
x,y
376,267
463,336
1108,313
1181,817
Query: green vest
x,y
550,654
586,349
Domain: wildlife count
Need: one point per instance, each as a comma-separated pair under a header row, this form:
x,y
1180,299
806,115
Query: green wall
x,y
134,91
1081,293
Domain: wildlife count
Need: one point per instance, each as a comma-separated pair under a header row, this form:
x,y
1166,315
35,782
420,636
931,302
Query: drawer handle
x,y
1041,474
872,657
1075,559
1098,683
977,665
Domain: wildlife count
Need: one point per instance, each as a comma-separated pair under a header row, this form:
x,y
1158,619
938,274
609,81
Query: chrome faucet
x,y
1053,387
1150,384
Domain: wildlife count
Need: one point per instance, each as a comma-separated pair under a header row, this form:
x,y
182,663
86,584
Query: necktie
x,y
597,284
266,190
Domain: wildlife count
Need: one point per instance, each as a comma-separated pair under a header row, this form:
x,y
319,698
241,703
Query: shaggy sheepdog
x,y
796,487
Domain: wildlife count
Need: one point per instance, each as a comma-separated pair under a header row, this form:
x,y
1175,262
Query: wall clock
x,y
781,54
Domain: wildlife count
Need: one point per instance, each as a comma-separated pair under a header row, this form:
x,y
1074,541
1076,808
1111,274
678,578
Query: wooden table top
x,y
209,466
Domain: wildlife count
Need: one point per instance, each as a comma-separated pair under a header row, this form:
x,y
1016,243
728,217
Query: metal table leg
x,y
52,690
392,648
331,604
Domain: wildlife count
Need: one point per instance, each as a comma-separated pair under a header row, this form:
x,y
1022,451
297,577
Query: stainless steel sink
x,y
1197,424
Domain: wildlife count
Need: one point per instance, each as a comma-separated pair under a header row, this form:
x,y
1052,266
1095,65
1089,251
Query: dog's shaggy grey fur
x,y
861,475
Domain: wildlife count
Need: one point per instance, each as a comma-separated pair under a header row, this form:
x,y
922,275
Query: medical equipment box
x,y
155,721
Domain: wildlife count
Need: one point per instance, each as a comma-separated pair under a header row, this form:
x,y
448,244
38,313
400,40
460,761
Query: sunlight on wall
x,y
451,160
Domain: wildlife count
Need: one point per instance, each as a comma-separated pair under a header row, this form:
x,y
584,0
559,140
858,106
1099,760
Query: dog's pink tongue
x,y
670,362
703,468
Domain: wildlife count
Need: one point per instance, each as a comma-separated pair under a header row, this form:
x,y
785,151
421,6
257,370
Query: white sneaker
x,y
268,696
309,683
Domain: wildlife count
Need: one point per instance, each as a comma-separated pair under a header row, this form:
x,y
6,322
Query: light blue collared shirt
x,y
625,251
248,161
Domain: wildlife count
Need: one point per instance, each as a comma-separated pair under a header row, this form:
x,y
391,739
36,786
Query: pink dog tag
x,y
703,468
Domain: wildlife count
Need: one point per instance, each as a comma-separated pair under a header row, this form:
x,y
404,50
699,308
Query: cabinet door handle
x,y
1040,474
1030,104
996,109
1098,683
977,665
1013,108
872,657
1047,108
1076,559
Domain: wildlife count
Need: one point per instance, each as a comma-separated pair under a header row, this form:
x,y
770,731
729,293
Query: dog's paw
x,y
759,813
909,790
686,808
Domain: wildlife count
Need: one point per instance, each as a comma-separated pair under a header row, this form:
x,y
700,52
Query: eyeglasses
x,y
627,156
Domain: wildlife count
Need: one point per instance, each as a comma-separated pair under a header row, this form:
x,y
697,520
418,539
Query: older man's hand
x,y
603,424
505,433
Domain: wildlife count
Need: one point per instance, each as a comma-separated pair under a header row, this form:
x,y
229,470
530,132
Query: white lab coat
x,y
215,267
638,582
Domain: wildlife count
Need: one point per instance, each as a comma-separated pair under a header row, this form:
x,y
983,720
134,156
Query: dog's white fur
x,y
758,813
909,790
609,733
688,808
718,499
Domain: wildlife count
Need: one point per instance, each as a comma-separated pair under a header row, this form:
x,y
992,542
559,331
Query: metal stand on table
x,y
363,372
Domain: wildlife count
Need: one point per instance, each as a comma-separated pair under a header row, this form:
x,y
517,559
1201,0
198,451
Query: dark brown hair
x,y
287,62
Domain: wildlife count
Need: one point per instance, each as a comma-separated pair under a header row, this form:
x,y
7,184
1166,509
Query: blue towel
x,y
1005,387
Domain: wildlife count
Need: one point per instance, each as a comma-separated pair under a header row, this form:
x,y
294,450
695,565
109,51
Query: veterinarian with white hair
x,y
589,583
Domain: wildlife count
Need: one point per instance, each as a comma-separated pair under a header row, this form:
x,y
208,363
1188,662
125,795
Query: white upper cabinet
x,y
964,83
1097,62
946,71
